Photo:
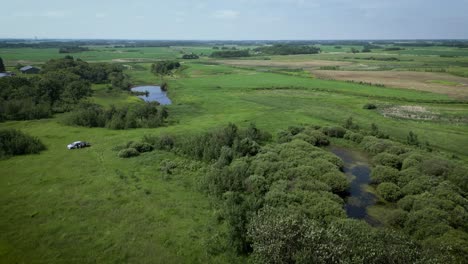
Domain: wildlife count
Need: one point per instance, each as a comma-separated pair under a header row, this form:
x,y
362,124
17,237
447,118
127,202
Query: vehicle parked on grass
x,y
78,144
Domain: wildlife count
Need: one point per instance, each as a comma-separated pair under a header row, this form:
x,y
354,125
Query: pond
x,y
357,168
153,94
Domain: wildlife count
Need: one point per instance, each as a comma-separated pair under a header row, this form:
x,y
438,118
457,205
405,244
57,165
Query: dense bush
x,y
356,137
436,167
208,146
281,201
14,142
141,146
384,174
431,192
128,153
286,236
150,115
389,191
162,68
337,132
387,159
369,106
163,142
397,218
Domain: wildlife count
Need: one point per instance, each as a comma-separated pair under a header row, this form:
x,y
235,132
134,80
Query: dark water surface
x,y
356,167
154,94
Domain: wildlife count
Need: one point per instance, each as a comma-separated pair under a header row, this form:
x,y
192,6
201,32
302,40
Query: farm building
x,y
29,69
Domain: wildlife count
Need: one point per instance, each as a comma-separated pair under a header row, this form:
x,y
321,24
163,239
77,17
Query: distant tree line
x,y
73,49
230,54
190,56
285,49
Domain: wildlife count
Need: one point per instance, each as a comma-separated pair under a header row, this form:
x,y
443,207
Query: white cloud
x,y
101,15
53,14
226,14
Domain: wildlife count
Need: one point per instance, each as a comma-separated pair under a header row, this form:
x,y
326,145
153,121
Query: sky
x,y
235,19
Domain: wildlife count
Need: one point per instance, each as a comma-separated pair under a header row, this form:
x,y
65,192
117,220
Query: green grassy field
x,y
91,206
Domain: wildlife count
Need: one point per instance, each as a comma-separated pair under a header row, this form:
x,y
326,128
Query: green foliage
x,y
284,236
366,49
190,56
389,191
162,68
230,54
375,131
285,49
149,114
436,167
336,180
120,81
163,142
397,218
14,142
141,147
412,139
73,49
95,72
369,106
381,174
418,184
387,159
337,132
2,66
62,84
355,137
349,124
412,161
32,98
128,153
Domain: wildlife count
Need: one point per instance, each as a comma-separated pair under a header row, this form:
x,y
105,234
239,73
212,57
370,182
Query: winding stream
x,y
356,167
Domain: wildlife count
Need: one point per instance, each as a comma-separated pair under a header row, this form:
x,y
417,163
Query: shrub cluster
x,y
429,191
133,149
14,142
149,114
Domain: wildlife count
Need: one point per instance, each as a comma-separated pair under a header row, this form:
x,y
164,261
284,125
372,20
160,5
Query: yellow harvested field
x,y
456,87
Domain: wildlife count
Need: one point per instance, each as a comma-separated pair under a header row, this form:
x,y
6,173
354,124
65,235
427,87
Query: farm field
x,y
454,86
89,205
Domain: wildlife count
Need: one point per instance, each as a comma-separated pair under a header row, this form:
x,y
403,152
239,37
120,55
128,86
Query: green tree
x,y
412,139
389,191
2,66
